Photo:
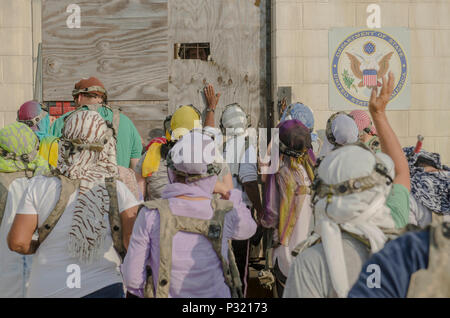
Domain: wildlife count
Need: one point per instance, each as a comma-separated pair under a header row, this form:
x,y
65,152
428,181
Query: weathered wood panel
x,y
122,42
146,116
236,31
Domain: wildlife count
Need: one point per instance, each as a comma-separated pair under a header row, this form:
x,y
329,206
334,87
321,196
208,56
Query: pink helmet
x,y
363,122
30,113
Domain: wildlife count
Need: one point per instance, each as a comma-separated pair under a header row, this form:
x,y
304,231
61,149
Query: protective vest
x,y
157,182
211,229
5,181
68,187
434,281
128,177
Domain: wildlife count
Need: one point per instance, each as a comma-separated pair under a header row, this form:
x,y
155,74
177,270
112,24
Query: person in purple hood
x,y
196,270
288,210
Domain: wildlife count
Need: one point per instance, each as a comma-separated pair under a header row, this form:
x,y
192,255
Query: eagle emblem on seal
x,y
369,70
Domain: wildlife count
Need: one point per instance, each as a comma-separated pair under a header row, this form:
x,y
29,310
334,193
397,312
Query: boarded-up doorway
x,y
236,33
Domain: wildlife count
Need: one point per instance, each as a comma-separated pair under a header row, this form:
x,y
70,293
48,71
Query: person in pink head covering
x,y
367,131
34,116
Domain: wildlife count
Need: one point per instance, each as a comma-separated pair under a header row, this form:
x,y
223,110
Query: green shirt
x,y
129,144
398,202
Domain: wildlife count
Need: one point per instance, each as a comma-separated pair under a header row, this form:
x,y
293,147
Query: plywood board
x,y
146,116
236,31
122,42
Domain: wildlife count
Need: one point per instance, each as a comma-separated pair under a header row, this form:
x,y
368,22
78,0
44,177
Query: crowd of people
x,y
87,210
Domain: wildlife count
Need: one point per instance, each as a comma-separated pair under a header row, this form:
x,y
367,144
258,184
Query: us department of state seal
x,y
362,59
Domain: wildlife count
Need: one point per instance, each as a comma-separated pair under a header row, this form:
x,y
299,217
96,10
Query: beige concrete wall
x,y
300,59
16,57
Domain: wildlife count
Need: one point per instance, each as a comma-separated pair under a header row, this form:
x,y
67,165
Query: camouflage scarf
x,y
19,150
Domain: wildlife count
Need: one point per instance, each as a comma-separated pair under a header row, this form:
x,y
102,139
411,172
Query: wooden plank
x,y
235,29
146,127
143,110
123,43
146,115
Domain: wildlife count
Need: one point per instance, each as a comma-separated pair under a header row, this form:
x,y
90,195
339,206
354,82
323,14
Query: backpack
x,y
211,229
157,182
434,281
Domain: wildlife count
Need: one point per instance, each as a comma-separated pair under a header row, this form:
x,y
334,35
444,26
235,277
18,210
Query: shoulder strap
x,y
115,110
168,229
68,187
5,181
114,125
116,120
114,217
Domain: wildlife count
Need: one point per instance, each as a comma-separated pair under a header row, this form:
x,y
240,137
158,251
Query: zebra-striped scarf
x,y
89,226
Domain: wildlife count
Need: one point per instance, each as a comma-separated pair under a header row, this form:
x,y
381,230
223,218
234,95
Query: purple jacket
x,y
196,269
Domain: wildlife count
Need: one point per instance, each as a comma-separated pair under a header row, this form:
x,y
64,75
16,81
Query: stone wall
x,y
300,59
16,57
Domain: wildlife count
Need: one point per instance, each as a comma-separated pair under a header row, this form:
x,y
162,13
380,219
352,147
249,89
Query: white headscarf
x,y
344,130
364,214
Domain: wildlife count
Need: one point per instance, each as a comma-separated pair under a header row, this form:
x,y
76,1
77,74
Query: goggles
x,y
26,158
289,151
33,121
90,89
378,176
212,170
73,146
234,105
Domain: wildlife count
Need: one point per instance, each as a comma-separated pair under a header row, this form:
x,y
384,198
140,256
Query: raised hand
x,y
377,104
389,142
211,97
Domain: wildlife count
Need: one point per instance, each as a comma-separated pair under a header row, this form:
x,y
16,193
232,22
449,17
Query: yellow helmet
x,y
183,120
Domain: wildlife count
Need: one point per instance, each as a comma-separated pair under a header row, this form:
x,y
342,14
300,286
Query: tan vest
x,y
434,281
211,229
5,181
68,187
